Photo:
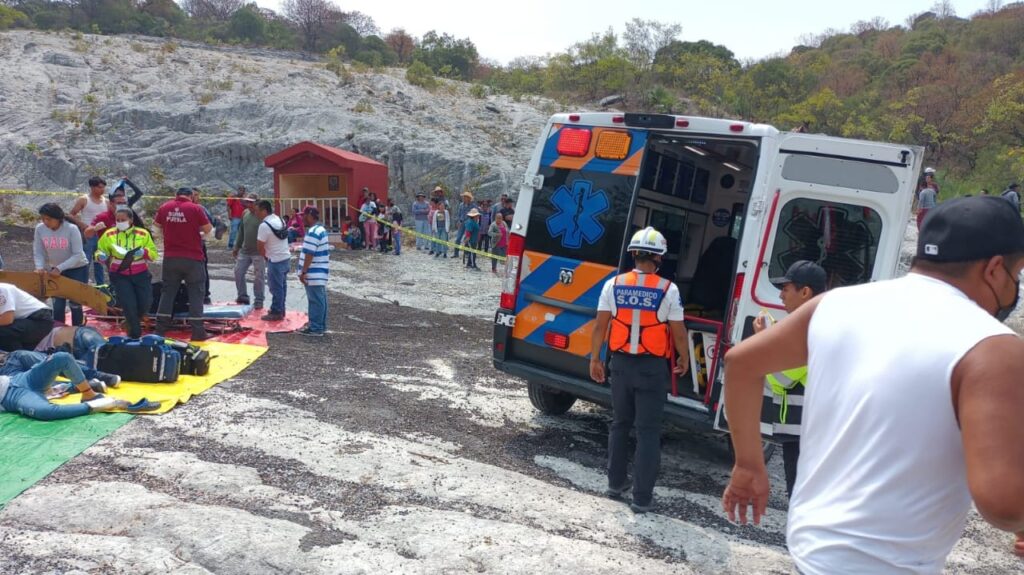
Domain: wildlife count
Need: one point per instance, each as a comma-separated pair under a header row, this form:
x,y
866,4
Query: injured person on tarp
x,y
28,381
28,391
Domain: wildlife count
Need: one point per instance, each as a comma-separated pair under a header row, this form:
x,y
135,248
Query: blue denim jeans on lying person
x,y
26,393
23,360
277,280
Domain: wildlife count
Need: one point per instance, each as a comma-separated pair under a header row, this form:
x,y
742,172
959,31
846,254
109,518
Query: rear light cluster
x,y
513,263
556,340
574,142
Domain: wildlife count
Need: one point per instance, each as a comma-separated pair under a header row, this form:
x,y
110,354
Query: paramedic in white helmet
x,y
641,315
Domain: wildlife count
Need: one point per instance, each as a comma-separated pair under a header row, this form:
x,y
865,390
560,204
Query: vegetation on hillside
x,y
954,85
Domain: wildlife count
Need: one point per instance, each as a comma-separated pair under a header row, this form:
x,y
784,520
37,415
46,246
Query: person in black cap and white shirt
x,y
802,282
912,406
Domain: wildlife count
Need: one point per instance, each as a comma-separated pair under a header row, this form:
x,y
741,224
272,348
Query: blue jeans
x,y
423,227
317,296
60,304
440,248
90,254
23,360
277,278
397,239
235,223
26,392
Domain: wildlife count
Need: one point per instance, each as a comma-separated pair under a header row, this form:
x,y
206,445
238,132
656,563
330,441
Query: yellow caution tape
x,y
4,192
414,234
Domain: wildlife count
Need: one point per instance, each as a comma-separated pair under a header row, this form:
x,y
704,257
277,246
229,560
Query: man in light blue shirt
x,y
316,263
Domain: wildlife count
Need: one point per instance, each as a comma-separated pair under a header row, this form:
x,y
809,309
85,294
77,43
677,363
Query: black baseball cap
x,y
184,191
804,273
970,229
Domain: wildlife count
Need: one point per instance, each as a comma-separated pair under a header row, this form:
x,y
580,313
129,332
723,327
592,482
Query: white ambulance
x,y
738,203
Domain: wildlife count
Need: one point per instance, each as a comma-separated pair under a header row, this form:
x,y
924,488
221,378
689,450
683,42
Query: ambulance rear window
x,y
842,238
580,215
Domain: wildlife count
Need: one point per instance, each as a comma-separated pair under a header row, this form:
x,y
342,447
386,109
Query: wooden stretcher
x,y
216,318
44,286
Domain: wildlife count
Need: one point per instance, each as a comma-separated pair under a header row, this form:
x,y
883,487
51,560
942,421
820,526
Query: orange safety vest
x,y
635,327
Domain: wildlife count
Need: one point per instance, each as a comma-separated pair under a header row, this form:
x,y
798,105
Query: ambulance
x,y
738,203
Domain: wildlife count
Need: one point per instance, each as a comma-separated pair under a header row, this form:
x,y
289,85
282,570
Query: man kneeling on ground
x,y
24,320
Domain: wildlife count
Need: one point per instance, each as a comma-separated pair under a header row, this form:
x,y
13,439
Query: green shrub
x,y
478,91
419,74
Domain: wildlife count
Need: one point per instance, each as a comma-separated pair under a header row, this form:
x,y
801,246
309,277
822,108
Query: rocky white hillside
x,y
180,113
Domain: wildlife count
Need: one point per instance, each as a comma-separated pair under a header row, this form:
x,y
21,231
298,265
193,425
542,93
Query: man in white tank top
x,y
912,408
85,210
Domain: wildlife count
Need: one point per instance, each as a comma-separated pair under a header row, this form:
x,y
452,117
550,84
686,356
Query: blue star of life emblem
x,y
576,218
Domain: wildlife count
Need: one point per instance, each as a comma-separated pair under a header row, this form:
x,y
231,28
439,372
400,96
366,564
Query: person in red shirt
x,y
235,212
182,222
116,198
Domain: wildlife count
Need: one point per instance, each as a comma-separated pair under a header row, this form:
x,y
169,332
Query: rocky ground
x,y
389,446
178,113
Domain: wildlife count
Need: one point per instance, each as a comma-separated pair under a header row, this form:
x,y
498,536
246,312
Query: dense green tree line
x,y
954,85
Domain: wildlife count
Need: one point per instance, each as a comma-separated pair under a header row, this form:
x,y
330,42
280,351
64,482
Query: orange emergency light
x,y
613,145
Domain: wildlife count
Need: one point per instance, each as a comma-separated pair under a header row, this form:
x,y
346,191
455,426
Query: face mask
x,y
122,226
1004,312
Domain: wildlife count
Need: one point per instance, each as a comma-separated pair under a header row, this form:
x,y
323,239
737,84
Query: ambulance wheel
x,y
549,401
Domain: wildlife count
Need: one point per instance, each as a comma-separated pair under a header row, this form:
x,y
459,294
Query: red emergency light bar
x,y
574,142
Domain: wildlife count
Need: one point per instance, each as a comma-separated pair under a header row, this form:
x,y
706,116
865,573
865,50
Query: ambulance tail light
x,y
734,306
556,340
574,142
513,263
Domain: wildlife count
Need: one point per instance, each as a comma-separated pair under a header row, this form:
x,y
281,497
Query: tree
x,y
219,10
447,56
644,38
10,18
402,43
248,25
310,16
375,52
362,23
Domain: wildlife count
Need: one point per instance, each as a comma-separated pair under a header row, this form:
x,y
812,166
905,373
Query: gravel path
x,y
390,446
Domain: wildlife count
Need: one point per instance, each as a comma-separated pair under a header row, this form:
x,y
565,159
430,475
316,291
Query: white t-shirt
x,y
21,302
277,249
670,308
881,484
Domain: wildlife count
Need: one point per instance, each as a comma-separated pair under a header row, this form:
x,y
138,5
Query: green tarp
x,y
30,450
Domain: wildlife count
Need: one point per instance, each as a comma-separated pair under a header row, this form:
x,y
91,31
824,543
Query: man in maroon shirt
x,y
182,221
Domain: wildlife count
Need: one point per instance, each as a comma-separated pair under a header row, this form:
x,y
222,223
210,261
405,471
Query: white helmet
x,y
929,171
648,240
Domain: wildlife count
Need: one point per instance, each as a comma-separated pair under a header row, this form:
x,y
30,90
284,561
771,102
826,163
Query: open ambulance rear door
x,y
844,204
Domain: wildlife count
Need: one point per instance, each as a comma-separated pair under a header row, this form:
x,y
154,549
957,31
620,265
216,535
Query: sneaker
x,y
272,317
613,493
639,508
242,301
110,379
308,332
98,386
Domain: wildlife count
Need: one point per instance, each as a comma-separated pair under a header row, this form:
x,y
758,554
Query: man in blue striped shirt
x,y
316,262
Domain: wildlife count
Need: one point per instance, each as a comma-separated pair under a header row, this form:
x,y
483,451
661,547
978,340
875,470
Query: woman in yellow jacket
x,y
126,249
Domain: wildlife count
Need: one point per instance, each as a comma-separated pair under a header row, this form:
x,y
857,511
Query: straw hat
x,y
467,195
473,213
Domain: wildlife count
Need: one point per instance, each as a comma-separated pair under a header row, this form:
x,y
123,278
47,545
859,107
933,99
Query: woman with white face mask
x,y
126,249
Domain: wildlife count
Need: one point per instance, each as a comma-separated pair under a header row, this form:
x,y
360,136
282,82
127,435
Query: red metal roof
x,y
335,155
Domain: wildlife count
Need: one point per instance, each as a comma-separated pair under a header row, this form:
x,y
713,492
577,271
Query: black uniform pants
x,y
639,388
26,333
177,270
790,456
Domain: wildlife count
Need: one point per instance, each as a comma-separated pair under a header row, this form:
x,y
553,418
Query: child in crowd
x,y
498,234
472,237
396,217
440,224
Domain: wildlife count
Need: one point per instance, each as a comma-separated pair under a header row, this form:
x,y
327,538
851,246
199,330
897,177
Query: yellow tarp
x,y
229,359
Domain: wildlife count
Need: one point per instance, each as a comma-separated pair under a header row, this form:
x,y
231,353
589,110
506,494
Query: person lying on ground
x,y
24,392
24,320
16,362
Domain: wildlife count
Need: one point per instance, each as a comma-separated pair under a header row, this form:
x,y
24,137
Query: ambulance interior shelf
x,y
694,388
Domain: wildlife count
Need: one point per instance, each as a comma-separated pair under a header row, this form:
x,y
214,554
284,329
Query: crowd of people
x,y
927,195
481,226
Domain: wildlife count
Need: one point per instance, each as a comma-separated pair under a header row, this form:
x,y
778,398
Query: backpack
x,y
279,233
180,299
146,360
194,359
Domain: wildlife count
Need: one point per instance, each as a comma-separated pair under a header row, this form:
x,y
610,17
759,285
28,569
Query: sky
x,y
752,29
